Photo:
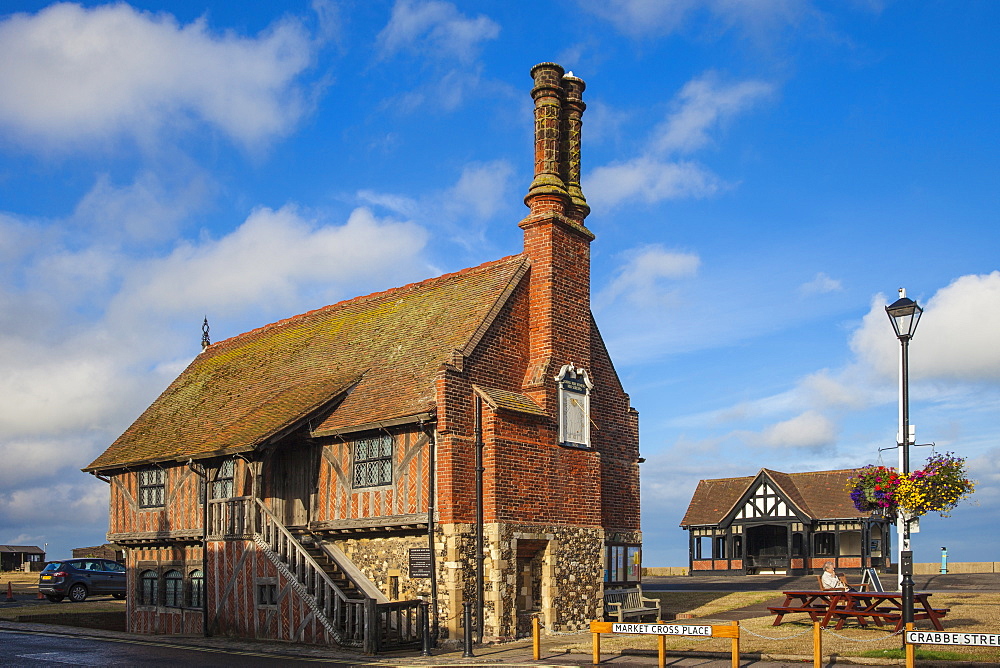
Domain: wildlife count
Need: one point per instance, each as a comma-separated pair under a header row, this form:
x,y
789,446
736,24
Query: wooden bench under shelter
x,y
622,604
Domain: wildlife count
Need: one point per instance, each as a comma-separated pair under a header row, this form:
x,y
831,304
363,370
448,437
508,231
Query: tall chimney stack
x,y
548,190
555,238
573,109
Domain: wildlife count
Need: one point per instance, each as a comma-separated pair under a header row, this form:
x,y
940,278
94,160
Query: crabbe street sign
x,y
941,638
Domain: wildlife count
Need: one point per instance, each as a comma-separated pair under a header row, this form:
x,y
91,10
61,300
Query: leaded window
x,y
197,589
151,488
173,589
222,488
148,588
373,461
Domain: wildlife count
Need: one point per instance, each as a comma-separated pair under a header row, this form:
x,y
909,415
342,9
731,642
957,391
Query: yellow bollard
x,y
661,645
911,650
597,648
536,644
817,645
736,644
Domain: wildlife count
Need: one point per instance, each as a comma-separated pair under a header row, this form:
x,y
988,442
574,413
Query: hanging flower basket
x,y
938,487
873,489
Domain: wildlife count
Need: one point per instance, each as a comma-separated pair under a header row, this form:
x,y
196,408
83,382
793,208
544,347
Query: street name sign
x,y
942,638
662,629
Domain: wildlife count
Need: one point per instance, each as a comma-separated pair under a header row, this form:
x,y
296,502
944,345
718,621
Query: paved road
x,y
47,649
32,649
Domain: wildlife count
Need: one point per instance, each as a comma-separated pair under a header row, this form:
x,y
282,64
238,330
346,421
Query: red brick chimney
x,y
555,238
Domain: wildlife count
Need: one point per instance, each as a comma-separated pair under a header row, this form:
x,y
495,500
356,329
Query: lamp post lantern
x,y
904,314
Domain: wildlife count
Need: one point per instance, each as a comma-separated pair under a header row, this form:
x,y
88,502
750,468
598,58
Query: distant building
x,y
14,557
106,551
777,522
308,480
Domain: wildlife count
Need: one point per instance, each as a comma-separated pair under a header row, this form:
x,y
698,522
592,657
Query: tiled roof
x,y
510,401
375,355
816,494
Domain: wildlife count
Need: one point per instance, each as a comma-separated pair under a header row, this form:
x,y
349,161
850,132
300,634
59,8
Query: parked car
x,y
79,578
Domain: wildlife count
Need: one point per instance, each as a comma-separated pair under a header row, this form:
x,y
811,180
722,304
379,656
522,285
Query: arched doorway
x,y
767,548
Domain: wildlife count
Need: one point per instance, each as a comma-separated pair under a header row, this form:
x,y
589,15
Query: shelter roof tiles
x,y
816,494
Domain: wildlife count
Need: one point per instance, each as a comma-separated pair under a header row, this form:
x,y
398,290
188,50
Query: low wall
x,y
665,570
918,569
958,567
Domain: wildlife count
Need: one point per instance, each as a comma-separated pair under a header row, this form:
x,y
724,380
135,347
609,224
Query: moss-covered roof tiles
x,y
373,358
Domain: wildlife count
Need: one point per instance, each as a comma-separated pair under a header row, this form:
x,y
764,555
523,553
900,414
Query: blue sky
x,y
763,176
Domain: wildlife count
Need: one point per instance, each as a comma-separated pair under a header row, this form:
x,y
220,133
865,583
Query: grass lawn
x,y
979,612
22,583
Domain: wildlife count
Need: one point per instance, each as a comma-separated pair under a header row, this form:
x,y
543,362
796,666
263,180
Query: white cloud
x,y
810,429
462,210
822,284
436,30
84,503
956,338
649,180
73,76
647,18
701,106
267,260
482,190
639,279
146,210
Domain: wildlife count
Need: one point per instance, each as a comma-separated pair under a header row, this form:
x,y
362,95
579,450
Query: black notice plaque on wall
x,y
420,562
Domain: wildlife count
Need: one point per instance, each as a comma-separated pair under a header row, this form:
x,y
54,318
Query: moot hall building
x,y
328,477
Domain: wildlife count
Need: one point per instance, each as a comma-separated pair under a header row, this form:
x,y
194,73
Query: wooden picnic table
x,y
879,606
813,603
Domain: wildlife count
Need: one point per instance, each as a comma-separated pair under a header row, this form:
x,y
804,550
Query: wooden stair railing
x,y
345,612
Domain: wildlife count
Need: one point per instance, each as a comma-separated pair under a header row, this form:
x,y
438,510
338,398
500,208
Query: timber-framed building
x,y
316,478
777,522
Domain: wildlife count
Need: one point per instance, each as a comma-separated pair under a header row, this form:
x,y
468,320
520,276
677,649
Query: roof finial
x,y
205,341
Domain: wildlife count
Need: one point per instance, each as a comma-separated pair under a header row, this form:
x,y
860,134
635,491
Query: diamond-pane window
x,y
151,488
373,461
222,488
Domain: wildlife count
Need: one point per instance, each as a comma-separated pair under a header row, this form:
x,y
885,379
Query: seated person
x,y
831,580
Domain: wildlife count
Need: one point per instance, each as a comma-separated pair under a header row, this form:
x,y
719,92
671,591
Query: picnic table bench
x,y
825,606
622,604
881,606
813,603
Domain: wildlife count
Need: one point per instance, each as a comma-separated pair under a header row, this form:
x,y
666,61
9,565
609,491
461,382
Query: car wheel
x,y
119,596
77,593
55,598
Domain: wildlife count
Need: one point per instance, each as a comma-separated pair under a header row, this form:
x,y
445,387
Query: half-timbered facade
x,y
313,478
781,523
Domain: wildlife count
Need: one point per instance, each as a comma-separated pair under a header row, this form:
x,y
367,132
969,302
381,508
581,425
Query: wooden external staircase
x,y
354,612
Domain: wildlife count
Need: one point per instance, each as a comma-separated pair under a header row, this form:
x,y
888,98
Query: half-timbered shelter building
x,y
777,522
314,477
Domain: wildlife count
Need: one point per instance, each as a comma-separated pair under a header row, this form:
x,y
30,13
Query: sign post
x,y
663,630
913,638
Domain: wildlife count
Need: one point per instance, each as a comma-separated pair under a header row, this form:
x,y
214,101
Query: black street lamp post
x,y
904,314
